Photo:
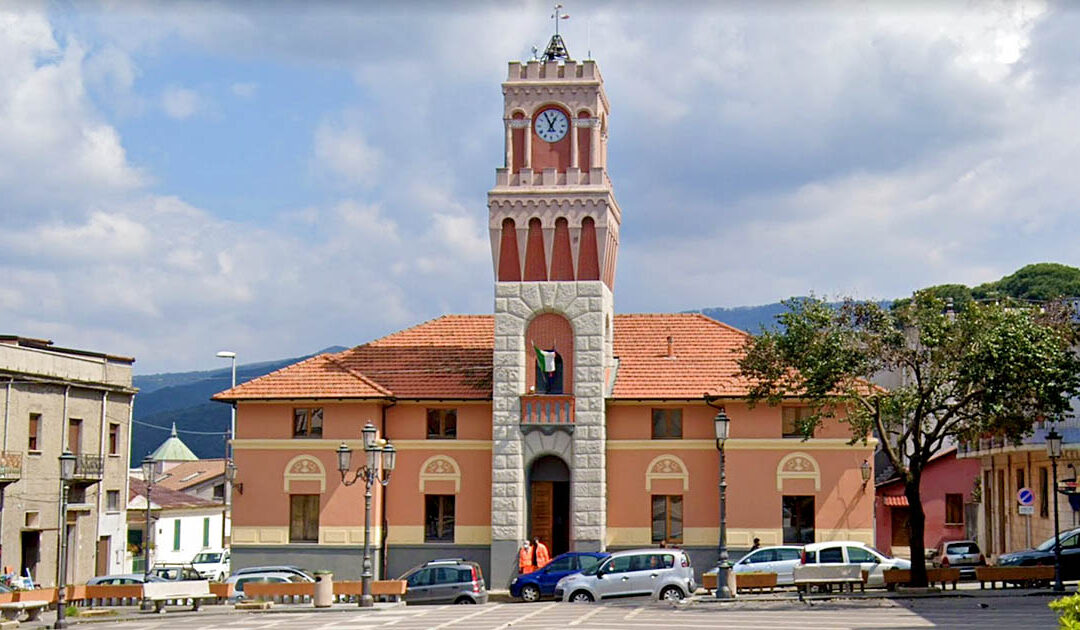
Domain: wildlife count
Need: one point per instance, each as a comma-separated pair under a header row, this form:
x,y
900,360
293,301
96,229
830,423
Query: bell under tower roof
x,y
556,49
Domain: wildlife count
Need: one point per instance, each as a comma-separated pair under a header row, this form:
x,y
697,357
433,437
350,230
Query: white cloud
x,y
245,90
342,149
180,103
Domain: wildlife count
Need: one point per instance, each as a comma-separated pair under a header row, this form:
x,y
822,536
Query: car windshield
x,y
207,557
591,570
1048,544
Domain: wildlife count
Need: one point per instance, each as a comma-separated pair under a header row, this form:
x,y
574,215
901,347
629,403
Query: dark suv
x,y
450,581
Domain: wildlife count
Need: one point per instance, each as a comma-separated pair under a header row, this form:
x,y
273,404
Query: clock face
x,y
551,125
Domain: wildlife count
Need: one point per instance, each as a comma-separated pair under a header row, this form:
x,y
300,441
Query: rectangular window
x,y
74,435
439,518
77,494
114,438
954,509
219,492
667,518
33,432
441,424
1044,492
176,535
304,518
798,518
206,532
791,418
112,500
667,424
307,422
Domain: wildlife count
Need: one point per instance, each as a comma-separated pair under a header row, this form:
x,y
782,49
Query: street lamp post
x,y
380,458
723,589
67,473
1053,451
148,465
227,354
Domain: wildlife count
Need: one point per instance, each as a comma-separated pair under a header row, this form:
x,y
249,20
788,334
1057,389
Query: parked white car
x,y
212,565
278,577
849,552
660,573
779,560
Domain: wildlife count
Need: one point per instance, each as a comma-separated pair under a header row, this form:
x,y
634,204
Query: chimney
x,y
670,347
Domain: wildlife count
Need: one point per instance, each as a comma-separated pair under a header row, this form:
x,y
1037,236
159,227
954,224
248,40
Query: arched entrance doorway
x,y
549,503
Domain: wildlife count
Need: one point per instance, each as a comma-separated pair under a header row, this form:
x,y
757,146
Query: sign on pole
x,y
1026,510
1025,496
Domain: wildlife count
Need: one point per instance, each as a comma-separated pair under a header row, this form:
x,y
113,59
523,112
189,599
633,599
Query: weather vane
x,y
556,49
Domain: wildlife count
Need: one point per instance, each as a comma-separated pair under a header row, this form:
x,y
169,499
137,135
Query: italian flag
x,y
545,359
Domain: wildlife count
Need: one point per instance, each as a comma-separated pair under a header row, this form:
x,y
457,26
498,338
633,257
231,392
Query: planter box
x,y
755,581
221,590
36,595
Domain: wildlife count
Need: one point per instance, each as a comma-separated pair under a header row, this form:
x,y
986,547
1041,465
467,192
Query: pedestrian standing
x,y
757,543
540,553
526,564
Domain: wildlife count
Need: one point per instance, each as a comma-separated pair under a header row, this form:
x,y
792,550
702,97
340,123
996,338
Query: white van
x,y
212,565
850,552
660,573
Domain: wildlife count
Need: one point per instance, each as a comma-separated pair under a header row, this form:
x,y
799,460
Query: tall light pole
x,y
148,466
1053,451
67,473
380,455
227,354
721,424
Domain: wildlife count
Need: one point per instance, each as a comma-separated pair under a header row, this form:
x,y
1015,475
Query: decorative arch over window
x,y
550,333
305,468
667,467
440,468
798,466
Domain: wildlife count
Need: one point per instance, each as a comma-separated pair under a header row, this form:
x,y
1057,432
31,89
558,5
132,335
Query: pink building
x,y
951,510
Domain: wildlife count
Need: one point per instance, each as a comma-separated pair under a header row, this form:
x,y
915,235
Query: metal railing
x,y
543,410
89,467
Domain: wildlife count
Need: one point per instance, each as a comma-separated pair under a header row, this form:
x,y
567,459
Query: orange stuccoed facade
x,y
553,417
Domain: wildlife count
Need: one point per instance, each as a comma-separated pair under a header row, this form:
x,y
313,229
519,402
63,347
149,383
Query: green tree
x,y
1040,281
983,368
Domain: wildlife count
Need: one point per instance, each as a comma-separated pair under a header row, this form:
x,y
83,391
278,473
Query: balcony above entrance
x,y
547,413
10,467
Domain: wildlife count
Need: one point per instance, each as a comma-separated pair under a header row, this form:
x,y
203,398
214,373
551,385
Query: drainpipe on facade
x,y
7,414
100,486
384,529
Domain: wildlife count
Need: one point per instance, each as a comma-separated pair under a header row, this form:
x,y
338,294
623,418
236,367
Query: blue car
x,y
541,583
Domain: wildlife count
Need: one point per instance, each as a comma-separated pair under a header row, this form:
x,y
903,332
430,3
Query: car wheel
x,y
465,600
581,596
530,593
671,594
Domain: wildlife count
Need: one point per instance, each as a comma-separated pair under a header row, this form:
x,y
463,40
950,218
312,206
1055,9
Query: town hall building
x,y
553,416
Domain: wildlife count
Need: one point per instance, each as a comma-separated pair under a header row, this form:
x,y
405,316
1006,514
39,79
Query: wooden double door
x,y
549,504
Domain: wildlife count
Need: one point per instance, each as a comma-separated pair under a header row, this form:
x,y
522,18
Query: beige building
x,y
1006,468
55,399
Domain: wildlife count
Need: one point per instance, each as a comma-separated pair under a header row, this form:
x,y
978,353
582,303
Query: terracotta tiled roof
x,y
448,357
451,357
166,498
704,357
187,474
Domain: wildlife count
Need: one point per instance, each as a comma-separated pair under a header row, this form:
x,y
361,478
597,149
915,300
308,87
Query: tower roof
x,y
173,450
556,49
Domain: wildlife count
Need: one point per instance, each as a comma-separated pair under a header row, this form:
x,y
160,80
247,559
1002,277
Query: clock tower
x,y
554,226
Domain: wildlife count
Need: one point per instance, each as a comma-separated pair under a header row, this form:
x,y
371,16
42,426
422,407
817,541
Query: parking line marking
x,y
460,619
524,617
586,616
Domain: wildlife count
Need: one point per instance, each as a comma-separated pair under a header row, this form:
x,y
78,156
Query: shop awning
x,y
897,500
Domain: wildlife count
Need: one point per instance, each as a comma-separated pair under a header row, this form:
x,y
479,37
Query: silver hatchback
x,y
659,573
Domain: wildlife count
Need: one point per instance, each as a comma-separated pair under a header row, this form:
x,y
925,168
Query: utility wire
x,y
154,426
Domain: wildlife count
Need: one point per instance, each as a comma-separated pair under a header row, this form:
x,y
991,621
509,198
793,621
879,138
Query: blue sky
x,y
272,178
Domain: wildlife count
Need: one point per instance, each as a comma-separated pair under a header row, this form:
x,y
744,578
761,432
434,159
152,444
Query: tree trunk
x,y
916,530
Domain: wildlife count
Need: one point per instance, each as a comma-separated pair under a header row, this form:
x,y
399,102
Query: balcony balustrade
x,y
88,469
547,412
10,467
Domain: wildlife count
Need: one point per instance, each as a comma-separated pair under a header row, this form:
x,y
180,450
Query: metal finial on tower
x,y
556,48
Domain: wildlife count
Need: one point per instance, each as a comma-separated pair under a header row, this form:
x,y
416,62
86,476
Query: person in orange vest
x,y
525,559
540,553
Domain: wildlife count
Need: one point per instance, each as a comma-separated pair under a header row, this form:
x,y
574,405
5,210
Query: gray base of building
x,y
504,562
345,562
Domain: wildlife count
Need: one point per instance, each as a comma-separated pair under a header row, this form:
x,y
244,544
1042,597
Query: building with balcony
x,y
1006,467
56,399
553,417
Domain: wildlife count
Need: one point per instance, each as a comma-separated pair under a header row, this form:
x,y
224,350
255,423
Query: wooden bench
x,y
826,576
114,594
163,592
755,582
280,592
1019,576
942,576
392,589
12,610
